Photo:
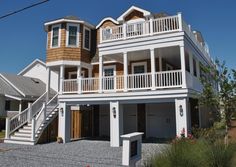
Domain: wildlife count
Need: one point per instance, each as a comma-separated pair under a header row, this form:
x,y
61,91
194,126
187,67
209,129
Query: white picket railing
x,y
42,115
139,81
112,33
113,83
22,118
168,79
137,29
70,86
89,84
166,24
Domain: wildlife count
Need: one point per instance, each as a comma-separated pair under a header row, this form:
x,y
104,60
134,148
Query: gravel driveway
x,y
79,153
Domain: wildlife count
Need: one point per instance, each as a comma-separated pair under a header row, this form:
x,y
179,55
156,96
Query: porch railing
x,y
164,79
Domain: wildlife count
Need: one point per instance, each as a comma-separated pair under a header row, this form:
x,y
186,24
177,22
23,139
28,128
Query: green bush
x,y
194,153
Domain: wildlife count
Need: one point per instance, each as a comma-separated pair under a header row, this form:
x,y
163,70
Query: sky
x,y
23,39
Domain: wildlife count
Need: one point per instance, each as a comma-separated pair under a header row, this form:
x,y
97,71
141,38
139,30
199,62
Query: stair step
x,y
22,134
27,127
21,138
25,130
13,141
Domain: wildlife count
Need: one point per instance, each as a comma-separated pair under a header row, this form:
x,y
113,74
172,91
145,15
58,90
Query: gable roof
x,y
106,19
27,68
132,8
6,89
24,86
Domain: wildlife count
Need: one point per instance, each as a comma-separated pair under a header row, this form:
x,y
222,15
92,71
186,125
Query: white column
x,y
183,68
79,79
90,72
62,68
48,83
125,67
100,73
116,123
198,68
33,130
153,68
7,133
64,122
151,26
160,63
182,115
180,21
191,63
20,106
29,112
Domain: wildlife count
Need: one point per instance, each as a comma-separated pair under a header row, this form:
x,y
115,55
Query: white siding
x,y
39,71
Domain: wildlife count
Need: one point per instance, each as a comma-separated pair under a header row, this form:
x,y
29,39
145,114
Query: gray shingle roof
x,y
31,87
5,88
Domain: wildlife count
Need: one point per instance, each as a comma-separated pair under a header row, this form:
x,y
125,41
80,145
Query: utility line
x,y
25,8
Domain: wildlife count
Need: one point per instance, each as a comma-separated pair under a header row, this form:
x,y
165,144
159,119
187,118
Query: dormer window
x,y
72,35
55,37
87,36
107,32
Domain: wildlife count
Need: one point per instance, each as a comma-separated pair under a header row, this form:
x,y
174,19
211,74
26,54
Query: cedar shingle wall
x,y
134,15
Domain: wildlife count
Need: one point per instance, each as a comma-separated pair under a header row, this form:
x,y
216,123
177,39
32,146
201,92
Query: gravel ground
x,y
79,153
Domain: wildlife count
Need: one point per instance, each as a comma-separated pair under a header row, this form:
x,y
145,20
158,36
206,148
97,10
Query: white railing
x,y
163,79
22,118
131,30
43,114
166,24
168,79
137,29
139,81
89,84
70,86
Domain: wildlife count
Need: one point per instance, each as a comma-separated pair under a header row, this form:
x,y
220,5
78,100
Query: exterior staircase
x,y
28,126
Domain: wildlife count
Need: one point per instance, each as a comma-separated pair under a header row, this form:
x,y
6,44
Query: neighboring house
x,y
139,72
37,69
17,91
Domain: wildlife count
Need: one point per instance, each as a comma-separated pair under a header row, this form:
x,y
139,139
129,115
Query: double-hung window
x,y
72,35
55,37
87,36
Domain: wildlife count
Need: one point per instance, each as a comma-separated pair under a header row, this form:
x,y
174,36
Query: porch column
x,y
64,122
191,63
153,68
79,79
62,68
90,72
48,87
198,68
160,63
116,123
20,106
182,116
100,73
125,67
183,67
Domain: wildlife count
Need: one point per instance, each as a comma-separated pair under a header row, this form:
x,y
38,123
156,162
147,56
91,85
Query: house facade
x,y
139,72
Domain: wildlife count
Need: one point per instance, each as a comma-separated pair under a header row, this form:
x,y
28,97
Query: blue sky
x,y
22,36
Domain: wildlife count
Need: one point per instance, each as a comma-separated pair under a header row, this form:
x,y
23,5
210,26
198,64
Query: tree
x,y
219,90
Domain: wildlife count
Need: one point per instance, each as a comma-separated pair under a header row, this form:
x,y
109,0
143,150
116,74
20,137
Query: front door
x,y
108,80
138,80
76,122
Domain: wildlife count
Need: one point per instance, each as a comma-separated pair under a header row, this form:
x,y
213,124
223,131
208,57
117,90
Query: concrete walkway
x,y
82,153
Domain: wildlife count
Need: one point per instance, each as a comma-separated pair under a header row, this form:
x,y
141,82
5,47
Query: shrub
x,y
194,153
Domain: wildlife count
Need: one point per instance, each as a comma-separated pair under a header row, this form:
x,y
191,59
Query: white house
x,y
139,72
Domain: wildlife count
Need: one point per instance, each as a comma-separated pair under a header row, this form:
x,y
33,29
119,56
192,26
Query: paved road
x,y
82,153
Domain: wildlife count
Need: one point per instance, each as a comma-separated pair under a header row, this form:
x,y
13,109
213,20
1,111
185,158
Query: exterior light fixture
x,y
181,112
62,111
114,112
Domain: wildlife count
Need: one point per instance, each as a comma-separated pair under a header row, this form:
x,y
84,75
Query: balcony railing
x,y
151,27
163,80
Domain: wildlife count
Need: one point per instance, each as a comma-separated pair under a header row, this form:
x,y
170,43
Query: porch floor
x,y
77,153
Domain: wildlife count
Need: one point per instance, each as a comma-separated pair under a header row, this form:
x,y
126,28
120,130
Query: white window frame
x,y
75,73
108,67
59,36
86,28
67,34
143,63
170,67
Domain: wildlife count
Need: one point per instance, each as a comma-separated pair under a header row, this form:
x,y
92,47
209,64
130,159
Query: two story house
x,y
139,72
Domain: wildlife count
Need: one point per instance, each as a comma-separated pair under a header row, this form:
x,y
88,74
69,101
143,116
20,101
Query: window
x,y
107,32
87,38
55,40
72,35
139,68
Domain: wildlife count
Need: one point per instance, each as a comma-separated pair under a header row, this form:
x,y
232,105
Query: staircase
x,y
28,126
